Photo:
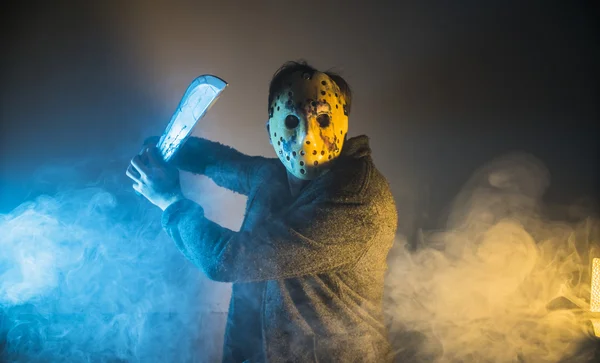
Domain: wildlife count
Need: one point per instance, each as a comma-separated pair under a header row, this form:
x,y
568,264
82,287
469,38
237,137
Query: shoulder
x,y
350,179
354,176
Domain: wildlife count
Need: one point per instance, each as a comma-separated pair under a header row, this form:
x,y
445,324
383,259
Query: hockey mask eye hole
x,y
291,122
324,120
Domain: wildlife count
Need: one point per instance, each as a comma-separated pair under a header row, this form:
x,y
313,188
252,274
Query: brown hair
x,y
301,66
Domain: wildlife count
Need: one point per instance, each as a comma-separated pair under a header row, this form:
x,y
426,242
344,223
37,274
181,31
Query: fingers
x,y
133,174
137,188
139,166
142,165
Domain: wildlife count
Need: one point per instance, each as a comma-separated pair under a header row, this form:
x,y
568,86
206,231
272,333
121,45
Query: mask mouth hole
x,y
292,121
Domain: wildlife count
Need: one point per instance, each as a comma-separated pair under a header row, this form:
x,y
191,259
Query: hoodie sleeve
x,y
315,238
226,166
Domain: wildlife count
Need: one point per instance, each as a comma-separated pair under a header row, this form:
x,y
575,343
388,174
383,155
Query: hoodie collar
x,y
356,147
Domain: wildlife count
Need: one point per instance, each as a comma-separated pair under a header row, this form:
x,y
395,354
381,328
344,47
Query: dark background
x,y
440,88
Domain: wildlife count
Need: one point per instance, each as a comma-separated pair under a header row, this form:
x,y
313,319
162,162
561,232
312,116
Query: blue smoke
x,y
87,274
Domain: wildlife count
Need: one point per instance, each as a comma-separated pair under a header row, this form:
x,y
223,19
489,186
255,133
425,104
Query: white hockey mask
x,y
308,123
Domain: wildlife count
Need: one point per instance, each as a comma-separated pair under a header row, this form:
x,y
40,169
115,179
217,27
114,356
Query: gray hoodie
x,y
307,271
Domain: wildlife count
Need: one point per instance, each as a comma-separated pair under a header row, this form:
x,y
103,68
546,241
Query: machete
x,y
200,95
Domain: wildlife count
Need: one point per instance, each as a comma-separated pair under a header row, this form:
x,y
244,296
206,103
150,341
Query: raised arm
x,y
312,239
226,166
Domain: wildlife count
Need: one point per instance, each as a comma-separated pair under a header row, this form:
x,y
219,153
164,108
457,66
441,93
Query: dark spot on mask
x,y
302,152
307,142
323,83
337,106
336,95
278,143
277,108
316,163
314,152
345,110
322,152
313,104
270,112
302,171
288,158
323,93
302,163
289,105
294,153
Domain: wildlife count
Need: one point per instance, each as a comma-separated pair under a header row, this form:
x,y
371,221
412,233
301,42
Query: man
x,y
308,263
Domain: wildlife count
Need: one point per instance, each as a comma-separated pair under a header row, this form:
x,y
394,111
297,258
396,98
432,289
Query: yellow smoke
x,y
502,283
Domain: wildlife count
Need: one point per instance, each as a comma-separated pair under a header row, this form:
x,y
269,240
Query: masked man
x,y
308,262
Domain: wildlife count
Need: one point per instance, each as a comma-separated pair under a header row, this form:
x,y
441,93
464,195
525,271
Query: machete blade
x,y
196,101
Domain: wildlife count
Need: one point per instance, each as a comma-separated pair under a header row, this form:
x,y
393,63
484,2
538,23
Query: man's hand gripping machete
x,y
154,178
